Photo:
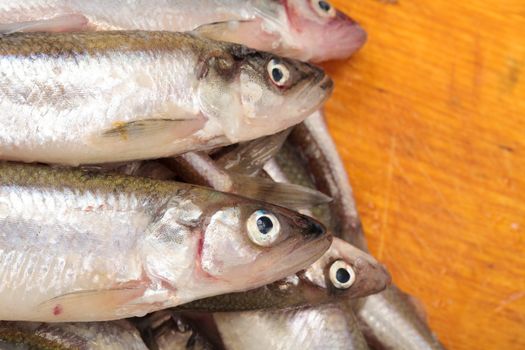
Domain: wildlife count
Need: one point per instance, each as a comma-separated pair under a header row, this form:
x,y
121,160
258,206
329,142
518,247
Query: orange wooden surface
x,y
430,120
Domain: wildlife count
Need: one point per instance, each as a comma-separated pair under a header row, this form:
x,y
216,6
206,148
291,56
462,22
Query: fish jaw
x,y
332,37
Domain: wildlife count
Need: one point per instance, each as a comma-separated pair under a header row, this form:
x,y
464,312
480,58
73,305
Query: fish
x,y
389,319
78,246
117,335
100,97
308,30
342,273
319,327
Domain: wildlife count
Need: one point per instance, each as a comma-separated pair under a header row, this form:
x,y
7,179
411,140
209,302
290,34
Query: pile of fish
x,y
167,181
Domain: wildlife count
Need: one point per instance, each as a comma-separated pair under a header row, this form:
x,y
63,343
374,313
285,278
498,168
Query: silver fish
x,y
98,97
118,335
78,246
301,29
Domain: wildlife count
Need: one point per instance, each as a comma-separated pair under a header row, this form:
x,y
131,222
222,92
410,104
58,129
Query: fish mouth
x,y
327,85
310,228
345,39
290,256
375,278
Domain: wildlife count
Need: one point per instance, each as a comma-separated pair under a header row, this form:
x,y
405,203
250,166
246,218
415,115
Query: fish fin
x,y
219,30
132,138
248,158
94,305
64,23
286,195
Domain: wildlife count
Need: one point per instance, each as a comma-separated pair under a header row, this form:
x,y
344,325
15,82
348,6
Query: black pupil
x,y
264,224
342,275
277,74
324,6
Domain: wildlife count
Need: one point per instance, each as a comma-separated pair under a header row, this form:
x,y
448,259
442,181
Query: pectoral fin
x,y
63,23
135,137
249,157
93,305
286,195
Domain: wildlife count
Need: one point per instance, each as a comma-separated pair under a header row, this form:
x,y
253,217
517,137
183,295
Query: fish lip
x,y
359,36
327,84
310,228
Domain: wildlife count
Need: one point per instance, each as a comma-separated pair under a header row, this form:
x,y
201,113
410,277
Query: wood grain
x,y
430,120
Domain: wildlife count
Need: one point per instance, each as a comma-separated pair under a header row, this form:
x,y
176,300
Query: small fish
x,y
388,319
309,30
99,97
342,273
79,246
118,335
319,327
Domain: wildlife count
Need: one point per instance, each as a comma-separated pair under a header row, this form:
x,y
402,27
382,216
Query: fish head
x,y
321,31
345,271
247,245
252,93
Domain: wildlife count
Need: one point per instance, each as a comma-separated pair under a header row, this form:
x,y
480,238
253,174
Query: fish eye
x,y
323,8
263,228
278,72
342,275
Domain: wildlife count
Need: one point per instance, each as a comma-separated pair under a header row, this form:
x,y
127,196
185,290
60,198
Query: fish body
x,y
319,327
97,97
388,319
391,321
118,335
78,246
301,29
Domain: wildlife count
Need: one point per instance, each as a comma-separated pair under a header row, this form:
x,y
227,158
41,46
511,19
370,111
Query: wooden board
x,y
430,120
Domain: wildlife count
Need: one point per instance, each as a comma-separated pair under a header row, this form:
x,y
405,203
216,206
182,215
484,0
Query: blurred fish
x,y
98,97
302,29
118,335
389,319
79,246
320,327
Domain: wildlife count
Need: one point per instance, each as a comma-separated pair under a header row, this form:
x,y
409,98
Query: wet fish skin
x,y
98,97
79,246
320,327
294,28
388,319
118,335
